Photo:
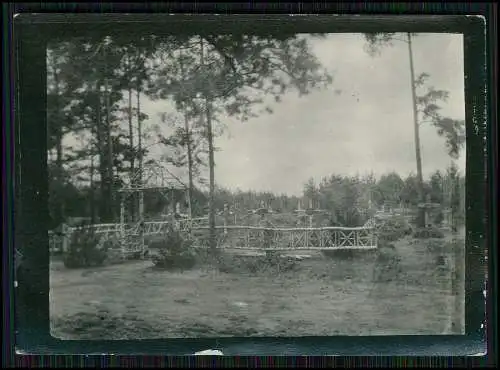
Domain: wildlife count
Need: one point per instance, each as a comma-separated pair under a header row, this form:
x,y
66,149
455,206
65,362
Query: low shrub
x,y
428,233
393,229
84,250
135,256
341,254
113,250
276,262
132,244
174,251
349,254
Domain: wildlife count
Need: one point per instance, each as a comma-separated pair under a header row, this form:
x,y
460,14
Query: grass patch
x,y
271,263
347,254
102,324
388,264
428,233
323,296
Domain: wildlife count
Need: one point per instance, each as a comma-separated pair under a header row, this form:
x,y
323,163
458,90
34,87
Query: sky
x,y
362,123
368,127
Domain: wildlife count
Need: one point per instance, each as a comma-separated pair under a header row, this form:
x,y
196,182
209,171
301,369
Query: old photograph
x,y
239,185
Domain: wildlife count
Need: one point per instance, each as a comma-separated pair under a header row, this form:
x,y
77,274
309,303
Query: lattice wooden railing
x,y
247,237
241,237
59,241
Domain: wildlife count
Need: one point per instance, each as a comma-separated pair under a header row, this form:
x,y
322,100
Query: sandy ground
x,y
324,296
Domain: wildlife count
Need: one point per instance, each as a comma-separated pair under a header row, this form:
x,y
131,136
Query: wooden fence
x,y
59,240
324,238
238,237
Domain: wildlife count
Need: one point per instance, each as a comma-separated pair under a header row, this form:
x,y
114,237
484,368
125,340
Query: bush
x,y
274,262
84,250
393,229
428,232
341,254
113,250
174,251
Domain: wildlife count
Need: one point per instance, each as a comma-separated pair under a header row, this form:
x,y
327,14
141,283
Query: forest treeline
x,y
100,136
346,197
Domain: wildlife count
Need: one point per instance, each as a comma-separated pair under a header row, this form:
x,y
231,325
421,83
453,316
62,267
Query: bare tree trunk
x,y
110,144
131,143
418,154
141,159
139,148
211,162
91,173
92,190
189,150
190,163
104,208
57,127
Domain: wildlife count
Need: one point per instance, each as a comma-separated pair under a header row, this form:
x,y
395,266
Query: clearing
x,y
321,296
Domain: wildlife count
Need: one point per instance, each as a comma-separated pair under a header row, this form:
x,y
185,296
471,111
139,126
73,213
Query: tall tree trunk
x,y
455,199
131,144
190,163
58,131
104,214
211,161
139,145
141,160
109,140
92,190
91,175
189,149
418,154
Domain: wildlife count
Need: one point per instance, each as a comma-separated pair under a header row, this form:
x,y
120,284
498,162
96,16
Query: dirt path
x,y
326,297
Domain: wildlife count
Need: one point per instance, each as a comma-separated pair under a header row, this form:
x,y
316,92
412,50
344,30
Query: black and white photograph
x,y
239,185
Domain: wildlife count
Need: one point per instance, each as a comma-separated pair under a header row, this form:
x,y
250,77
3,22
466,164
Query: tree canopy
x,y
96,85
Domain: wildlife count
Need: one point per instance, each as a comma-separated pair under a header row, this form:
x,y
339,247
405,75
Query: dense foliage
x,y
99,134
173,251
84,250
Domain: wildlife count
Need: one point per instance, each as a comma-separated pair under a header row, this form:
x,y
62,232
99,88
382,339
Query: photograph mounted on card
x,y
265,184
317,191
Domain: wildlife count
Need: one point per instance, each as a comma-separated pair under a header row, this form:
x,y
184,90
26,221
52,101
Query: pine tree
x,y
234,73
425,107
